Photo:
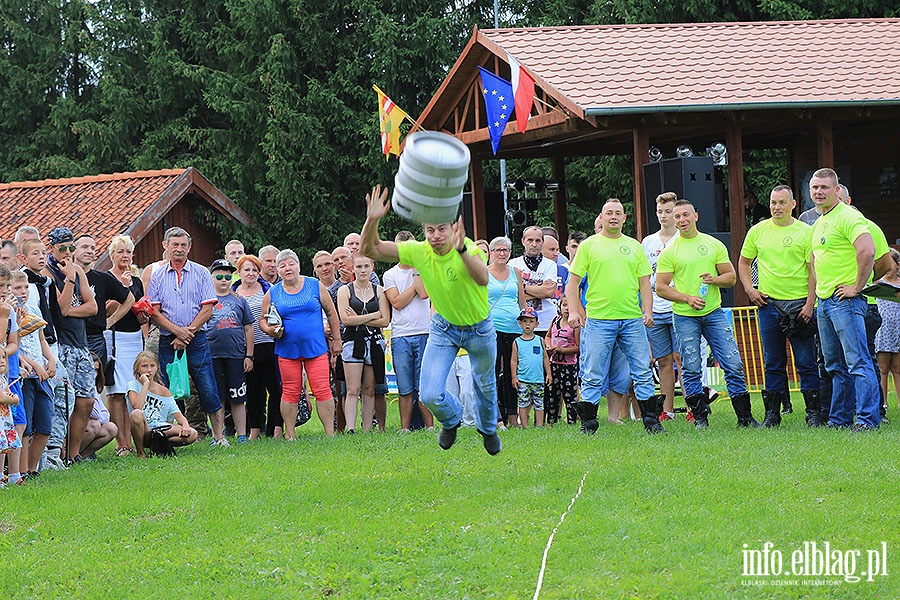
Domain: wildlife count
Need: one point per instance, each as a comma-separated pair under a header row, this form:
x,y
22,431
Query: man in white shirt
x,y
663,345
539,276
410,321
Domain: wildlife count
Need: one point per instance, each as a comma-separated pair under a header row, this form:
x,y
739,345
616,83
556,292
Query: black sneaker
x,y
492,443
862,428
447,437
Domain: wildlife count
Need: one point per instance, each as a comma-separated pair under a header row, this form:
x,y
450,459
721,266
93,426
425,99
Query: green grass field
x,y
393,516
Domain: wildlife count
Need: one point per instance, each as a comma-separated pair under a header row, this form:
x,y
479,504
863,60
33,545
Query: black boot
x,y
786,403
813,408
741,406
587,412
700,410
650,409
772,402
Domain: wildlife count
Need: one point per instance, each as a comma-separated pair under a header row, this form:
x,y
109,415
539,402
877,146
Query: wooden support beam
x,y
560,214
825,143
479,217
735,145
641,151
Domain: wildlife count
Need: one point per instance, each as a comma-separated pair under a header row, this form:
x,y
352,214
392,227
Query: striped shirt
x,y
180,295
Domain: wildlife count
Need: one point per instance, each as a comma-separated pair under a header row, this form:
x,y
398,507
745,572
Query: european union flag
x,y
498,103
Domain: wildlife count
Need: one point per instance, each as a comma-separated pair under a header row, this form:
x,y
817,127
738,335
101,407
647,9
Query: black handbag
x,y
109,371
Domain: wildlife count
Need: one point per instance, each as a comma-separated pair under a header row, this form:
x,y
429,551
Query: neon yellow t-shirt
x,y
782,254
881,248
613,267
832,244
454,294
687,259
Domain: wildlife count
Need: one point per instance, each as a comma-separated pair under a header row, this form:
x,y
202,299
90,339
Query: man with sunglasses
x,y
183,296
75,303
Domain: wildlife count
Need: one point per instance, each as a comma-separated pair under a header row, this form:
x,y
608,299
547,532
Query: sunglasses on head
x,y
221,277
64,247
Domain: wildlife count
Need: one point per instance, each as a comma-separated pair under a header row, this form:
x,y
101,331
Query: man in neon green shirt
x,y
689,263
882,265
454,272
786,299
843,258
620,272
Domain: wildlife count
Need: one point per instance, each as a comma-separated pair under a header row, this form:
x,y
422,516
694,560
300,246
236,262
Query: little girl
x,y
152,407
9,437
562,345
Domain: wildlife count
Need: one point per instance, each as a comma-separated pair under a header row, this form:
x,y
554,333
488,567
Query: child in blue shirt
x,y
530,367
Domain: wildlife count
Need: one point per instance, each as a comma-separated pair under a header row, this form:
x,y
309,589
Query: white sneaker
x,y
222,443
53,462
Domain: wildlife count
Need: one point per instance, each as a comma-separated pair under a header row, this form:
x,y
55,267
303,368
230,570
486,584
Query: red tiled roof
x,y
609,69
102,205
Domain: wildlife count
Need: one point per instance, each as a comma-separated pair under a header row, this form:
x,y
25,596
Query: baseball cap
x,y
526,313
221,264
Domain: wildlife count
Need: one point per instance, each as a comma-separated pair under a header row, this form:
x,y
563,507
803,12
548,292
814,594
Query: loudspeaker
x,y
727,293
493,214
692,178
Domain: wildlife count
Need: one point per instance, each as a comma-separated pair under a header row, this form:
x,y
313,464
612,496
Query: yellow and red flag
x,y
389,116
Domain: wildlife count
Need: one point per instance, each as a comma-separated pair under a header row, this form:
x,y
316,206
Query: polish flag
x,y
523,92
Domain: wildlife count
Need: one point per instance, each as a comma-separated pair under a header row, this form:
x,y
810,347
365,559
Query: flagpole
x,y
502,160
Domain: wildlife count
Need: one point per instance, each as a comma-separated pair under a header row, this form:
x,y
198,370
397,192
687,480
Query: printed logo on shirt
x,y
625,250
788,241
703,250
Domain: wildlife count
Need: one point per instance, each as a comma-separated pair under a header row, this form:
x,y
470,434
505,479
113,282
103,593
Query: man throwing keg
x,y
454,272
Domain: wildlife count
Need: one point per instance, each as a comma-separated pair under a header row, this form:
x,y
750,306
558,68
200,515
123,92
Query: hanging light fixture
x,y
684,151
655,154
719,154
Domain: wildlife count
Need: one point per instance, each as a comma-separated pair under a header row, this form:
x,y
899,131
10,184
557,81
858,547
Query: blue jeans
x,y
200,366
444,341
775,353
406,354
842,331
598,339
718,331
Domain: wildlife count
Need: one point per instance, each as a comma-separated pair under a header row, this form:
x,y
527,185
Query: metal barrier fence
x,y
746,334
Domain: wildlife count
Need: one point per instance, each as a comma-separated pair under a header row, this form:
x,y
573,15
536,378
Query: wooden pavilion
x,y
826,91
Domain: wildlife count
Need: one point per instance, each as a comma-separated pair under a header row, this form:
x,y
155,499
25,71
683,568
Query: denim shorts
x,y
38,399
662,335
347,353
18,410
406,354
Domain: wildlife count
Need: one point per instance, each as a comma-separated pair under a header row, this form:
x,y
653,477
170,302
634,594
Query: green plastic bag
x,y
179,379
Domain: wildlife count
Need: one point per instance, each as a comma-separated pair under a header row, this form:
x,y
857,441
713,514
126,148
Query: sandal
x,y
124,451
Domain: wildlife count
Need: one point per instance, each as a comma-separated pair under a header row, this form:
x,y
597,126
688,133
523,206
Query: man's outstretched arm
x,y
377,205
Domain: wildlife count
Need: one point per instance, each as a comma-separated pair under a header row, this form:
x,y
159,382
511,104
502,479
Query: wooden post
x,y
825,143
735,145
641,144
476,181
560,214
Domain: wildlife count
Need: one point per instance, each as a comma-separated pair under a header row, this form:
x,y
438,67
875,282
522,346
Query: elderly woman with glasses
x,y
300,342
506,297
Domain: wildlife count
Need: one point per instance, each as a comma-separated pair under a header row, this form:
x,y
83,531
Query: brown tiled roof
x,y
105,205
610,69
102,205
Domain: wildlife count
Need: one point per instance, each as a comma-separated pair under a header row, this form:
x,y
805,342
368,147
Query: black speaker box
x,y
692,178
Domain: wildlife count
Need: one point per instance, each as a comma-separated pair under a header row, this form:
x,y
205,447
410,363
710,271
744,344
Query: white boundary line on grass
x,y
540,582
